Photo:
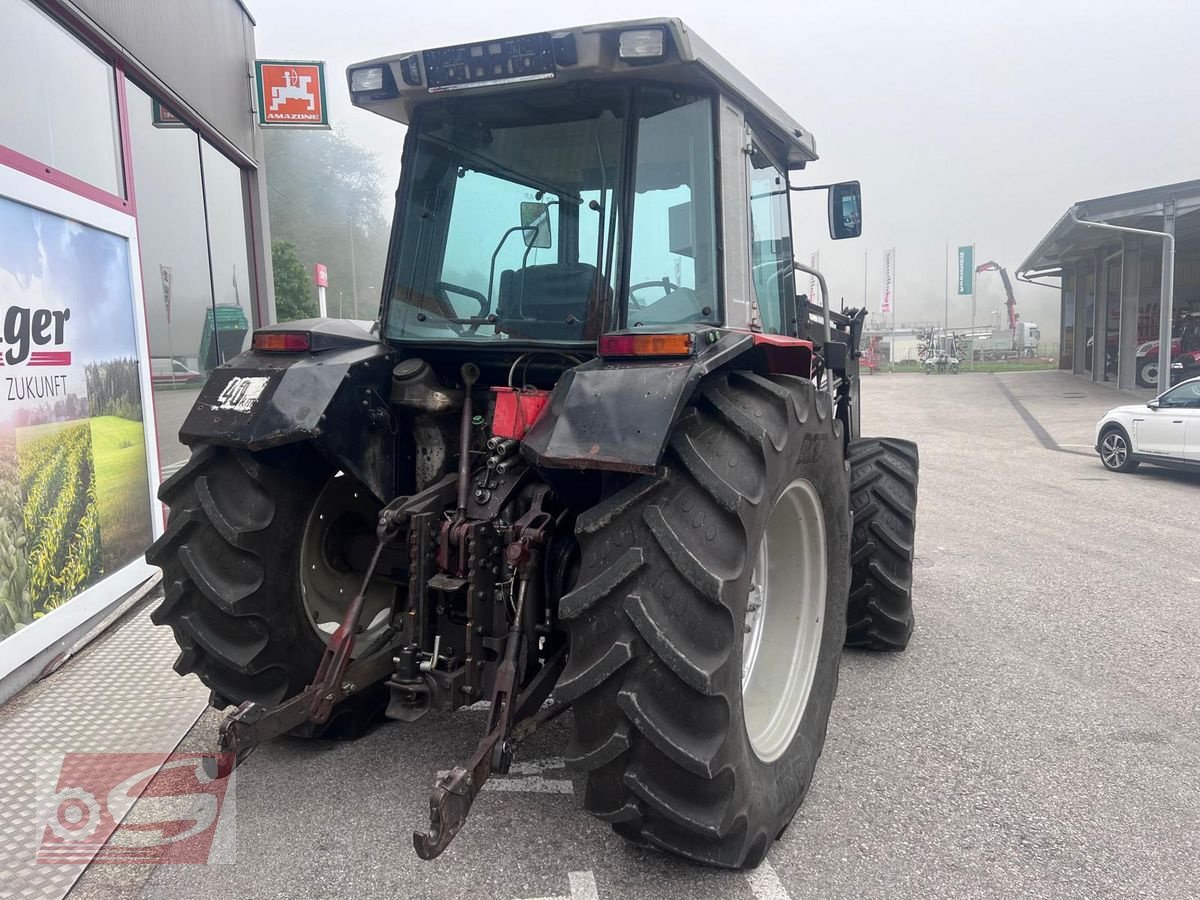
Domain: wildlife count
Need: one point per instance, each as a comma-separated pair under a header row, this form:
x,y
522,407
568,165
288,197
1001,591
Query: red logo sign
x,y
292,93
321,275
180,815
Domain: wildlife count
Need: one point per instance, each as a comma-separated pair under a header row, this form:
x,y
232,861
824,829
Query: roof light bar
x,y
368,79
375,82
642,45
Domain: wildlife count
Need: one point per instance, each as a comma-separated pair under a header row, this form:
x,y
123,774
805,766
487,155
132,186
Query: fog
x,y
965,122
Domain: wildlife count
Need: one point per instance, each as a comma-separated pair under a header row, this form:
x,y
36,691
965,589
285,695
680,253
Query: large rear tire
x,y
883,498
682,748
231,574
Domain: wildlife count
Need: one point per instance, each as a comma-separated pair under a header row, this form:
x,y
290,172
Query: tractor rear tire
x,y
231,577
883,499
659,624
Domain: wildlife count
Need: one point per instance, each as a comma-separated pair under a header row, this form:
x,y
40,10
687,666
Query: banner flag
x,y
165,273
889,273
966,270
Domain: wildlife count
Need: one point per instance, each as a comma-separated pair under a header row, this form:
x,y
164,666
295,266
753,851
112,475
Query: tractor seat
x,y
549,302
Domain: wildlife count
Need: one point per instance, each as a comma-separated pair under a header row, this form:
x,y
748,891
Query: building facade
x,y
1111,281
134,258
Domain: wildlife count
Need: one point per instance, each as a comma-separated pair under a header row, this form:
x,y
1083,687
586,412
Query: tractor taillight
x,y
282,341
646,345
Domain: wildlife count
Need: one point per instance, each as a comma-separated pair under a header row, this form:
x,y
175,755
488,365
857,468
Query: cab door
x,y
1191,437
1163,431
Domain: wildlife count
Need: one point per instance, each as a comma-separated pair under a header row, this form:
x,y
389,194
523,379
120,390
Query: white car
x,y
1164,432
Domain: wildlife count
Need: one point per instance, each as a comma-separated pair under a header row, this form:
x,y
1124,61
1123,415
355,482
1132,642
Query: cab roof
x,y
585,53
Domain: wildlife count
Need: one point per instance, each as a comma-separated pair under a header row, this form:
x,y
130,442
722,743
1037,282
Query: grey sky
x,y
965,121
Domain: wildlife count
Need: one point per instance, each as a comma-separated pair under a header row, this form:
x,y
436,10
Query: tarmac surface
x,y
1039,738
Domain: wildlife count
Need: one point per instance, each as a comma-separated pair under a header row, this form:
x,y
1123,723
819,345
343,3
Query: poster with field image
x,y
74,492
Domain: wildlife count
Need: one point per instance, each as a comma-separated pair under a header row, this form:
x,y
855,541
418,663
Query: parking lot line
x,y
765,884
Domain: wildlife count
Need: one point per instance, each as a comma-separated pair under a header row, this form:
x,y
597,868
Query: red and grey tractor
x,y
597,454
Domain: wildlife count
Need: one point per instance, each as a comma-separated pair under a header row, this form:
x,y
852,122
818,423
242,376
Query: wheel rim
x,y
339,537
1114,450
785,614
1150,373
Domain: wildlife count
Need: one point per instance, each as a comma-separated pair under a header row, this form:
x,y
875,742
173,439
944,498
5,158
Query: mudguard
x,y
335,398
617,415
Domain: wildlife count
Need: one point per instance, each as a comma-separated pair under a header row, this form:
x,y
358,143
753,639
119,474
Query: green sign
x,y
966,270
292,94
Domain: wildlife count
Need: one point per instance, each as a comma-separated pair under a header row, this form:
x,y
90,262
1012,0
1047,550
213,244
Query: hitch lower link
x,y
337,677
451,800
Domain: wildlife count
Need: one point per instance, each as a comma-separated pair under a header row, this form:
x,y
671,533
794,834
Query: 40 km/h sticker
x,y
240,394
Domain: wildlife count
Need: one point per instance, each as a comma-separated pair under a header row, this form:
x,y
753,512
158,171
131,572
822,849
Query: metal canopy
x,y
688,61
1068,241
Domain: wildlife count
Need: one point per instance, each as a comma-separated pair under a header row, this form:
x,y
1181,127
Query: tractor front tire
x,y
883,499
681,749
1147,372
231,577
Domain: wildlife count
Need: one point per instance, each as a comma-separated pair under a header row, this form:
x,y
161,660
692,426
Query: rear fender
x,y
337,399
617,415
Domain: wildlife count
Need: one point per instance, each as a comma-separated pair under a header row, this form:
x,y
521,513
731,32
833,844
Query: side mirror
x,y
535,222
1153,404
845,210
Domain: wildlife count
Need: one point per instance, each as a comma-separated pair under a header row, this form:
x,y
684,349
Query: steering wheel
x,y
485,305
665,283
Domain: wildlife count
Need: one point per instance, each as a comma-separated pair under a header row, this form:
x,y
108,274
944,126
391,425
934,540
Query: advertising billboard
x,y
75,500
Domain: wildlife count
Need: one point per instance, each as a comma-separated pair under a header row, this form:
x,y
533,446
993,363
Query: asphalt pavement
x,y
1039,738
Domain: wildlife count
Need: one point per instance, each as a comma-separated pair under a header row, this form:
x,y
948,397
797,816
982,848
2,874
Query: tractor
x,y
596,454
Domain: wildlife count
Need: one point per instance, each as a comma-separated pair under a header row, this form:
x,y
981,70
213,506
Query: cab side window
x,y
770,242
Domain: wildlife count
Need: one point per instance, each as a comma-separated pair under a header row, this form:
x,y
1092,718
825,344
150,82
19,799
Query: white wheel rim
x,y
785,615
1113,450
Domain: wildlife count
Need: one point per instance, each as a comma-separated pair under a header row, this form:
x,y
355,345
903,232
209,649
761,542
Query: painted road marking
x,y
765,884
583,887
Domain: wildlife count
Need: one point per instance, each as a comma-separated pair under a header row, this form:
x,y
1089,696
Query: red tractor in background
x,y
1185,353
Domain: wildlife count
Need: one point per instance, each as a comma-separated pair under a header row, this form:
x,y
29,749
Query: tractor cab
x,y
566,185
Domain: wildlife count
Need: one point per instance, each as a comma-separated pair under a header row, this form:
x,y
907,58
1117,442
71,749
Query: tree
x,y
325,196
294,298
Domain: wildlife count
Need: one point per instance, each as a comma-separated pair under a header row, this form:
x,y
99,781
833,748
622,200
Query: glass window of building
x,y
1066,347
233,304
175,270
770,241
59,104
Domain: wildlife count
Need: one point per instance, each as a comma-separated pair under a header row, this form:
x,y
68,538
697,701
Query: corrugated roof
x,y
1068,240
